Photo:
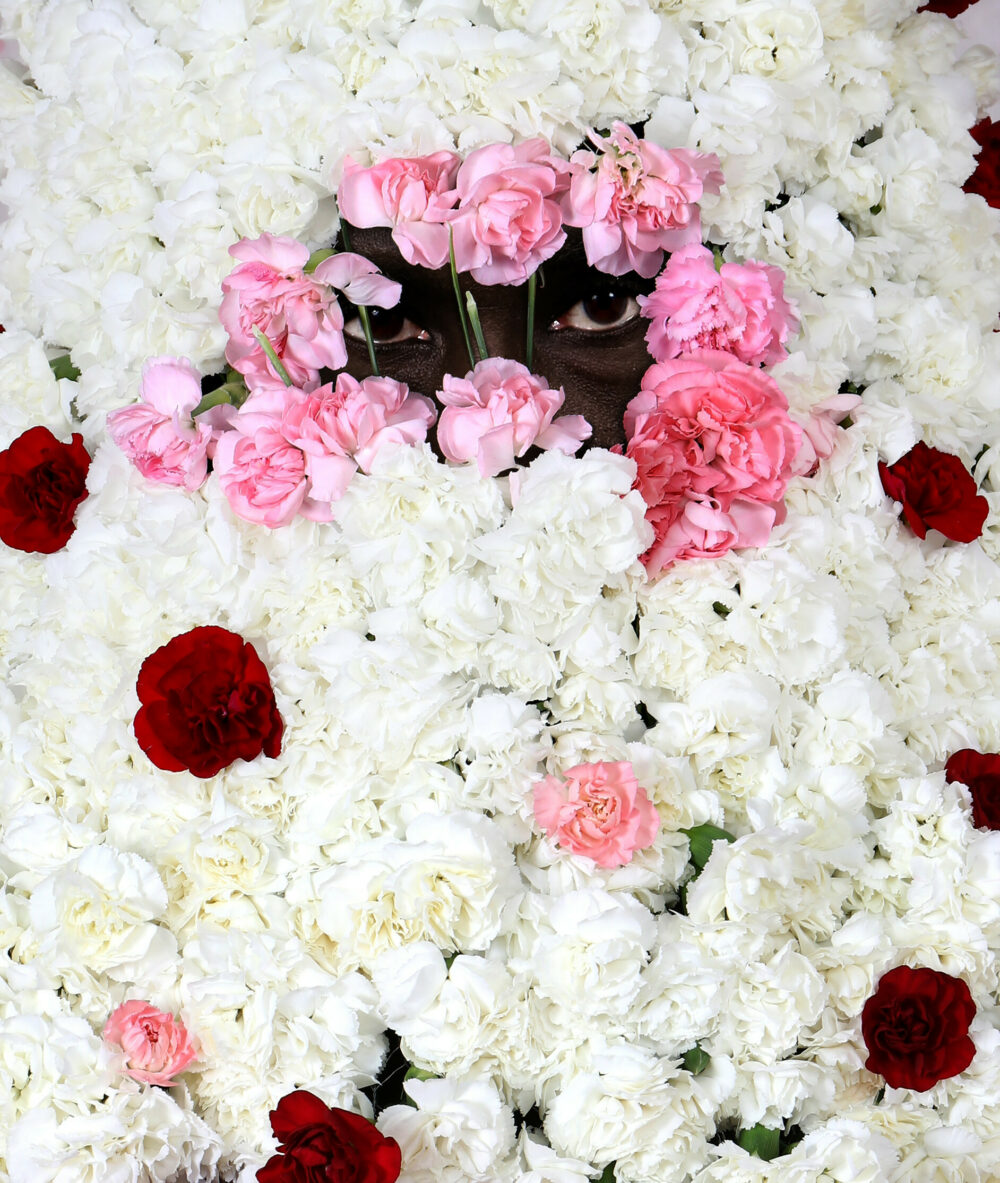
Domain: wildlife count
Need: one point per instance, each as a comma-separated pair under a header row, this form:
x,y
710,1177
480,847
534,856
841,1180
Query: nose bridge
x,y
503,314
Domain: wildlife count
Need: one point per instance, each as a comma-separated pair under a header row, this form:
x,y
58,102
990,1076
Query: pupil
x,y
605,307
386,323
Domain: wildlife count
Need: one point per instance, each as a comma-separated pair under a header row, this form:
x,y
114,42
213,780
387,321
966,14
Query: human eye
x,y
390,326
604,309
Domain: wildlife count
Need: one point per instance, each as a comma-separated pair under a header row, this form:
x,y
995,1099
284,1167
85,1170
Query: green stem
x,y
366,323
229,394
458,297
477,328
275,361
529,344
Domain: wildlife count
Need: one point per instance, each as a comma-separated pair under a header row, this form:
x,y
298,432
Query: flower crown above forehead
x,y
503,209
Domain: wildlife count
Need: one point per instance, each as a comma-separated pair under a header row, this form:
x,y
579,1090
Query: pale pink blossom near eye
x,y
263,476
498,411
156,1045
509,219
297,313
157,433
412,194
634,200
343,428
740,309
598,810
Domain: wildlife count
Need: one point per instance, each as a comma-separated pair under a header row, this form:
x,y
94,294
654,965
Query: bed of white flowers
x,y
435,652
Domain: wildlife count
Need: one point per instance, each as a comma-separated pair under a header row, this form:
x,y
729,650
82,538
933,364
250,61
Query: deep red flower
x,y
42,481
318,1144
938,493
980,773
950,8
986,179
206,701
916,1027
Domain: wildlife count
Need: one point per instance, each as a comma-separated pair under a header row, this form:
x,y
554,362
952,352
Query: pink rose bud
x,y
412,194
508,219
598,810
498,411
638,201
343,428
156,1045
157,433
740,309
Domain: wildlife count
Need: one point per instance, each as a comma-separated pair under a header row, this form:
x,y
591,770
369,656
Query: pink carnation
x,y
156,1045
638,201
498,411
157,433
262,475
740,309
598,810
297,313
697,527
509,219
412,194
819,432
341,429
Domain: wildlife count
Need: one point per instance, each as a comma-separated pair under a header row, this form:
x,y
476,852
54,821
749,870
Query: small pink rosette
x,y
156,1045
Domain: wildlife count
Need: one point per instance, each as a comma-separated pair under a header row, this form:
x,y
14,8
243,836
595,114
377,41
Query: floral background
x,y
442,646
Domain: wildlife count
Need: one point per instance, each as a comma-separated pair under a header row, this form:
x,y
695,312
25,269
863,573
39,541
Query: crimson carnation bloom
x,y
318,1144
938,493
950,8
206,701
986,179
42,481
916,1027
980,773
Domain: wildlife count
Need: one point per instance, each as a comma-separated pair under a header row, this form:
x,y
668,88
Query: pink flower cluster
x,y
504,207
597,810
715,448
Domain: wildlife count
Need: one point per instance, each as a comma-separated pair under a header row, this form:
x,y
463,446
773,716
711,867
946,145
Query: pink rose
x,y
341,429
736,414
412,194
740,309
508,219
263,476
598,810
157,433
156,1045
498,411
297,313
638,201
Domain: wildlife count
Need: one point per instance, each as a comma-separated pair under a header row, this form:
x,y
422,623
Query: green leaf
x,y
696,1060
721,609
701,839
761,1142
62,367
608,1175
415,1073
316,258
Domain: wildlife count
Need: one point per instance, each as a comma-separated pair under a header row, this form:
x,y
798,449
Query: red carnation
x,y
938,493
206,701
986,179
980,773
42,481
950,8
318,1144
916,1027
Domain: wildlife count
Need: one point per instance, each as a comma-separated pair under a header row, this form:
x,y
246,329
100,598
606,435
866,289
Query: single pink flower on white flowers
x,y
638,201
819,432
740,309
157,433
498,411
412,194
343,428
598,810
263,476
697,527
297,313
508,219
156,1045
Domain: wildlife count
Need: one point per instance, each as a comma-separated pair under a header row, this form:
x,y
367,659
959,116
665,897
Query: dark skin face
x,y
589,337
